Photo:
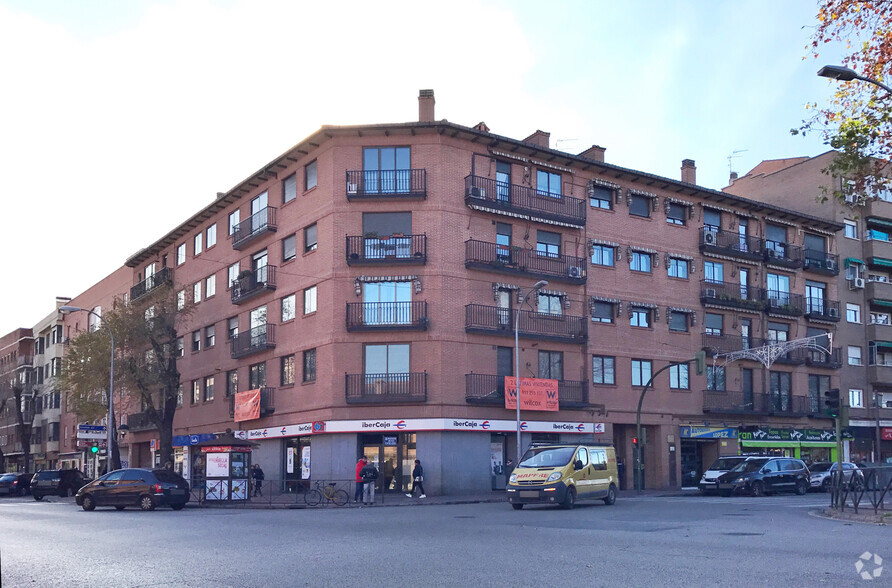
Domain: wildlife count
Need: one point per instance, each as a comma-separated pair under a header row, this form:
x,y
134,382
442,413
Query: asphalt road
x,y
641,541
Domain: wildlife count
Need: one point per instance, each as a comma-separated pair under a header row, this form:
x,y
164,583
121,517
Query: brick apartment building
x,y
16,386
368,279
865,287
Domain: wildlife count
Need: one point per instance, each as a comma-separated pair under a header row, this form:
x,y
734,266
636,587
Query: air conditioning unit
x,y
856,283
830,265
352,188
709,293
710,237
771,252
575,271
833,312
476,192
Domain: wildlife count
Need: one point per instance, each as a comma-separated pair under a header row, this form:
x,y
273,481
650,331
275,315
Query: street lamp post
x,y
111,380
536,287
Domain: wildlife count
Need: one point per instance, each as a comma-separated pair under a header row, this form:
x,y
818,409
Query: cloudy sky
x,y
118,120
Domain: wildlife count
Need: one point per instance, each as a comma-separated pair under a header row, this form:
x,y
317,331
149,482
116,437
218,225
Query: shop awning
x,y
852,261
887,344
882,261
874,220
881,302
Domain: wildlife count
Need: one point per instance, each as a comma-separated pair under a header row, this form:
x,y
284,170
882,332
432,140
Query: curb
x,y
882,518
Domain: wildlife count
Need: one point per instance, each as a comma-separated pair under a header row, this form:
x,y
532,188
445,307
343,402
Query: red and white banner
x,y
247,405
887,433
535,394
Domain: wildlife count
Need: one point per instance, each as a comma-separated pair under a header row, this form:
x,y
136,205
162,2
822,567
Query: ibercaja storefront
x,y
459,456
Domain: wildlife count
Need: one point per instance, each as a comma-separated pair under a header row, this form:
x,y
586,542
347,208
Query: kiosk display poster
x,y
217,490
239,490
305,463
217,465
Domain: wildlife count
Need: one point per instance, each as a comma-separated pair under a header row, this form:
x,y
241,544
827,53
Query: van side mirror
x,y
577,465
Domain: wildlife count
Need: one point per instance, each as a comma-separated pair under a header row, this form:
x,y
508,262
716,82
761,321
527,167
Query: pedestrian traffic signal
x,y
831,402
94,448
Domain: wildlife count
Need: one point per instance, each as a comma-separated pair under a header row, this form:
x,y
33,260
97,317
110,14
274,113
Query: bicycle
x,y
329,492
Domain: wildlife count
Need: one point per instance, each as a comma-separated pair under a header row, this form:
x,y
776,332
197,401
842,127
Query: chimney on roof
x,y
595,153
426,105
539,138
688,171
733,177
481,126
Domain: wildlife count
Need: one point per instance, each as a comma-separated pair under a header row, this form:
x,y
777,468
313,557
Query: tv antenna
x,y
734,156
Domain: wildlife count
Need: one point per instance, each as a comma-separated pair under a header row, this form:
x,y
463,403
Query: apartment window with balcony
x,y
257,376
854,354
603,369
815,297
212,235
390,359
640,262
778,289
289,188
551,365
210,336
181,300
781,384
878,277
640,317
548,184
712,323
386,169
714,272
197,248
181,254
879,318
641,371
603,312
817,385
179,350
856,398
233,221
310,300
231,383
776,239
196,391
310,175
309,365
288,308
600,197
851,229
231,327
678,321
210,286
879,234
310,239
853,313
778,332
639,205
196,292
676,214
387,303
232,274
287,370
715,378
678,377
603,255
550,304
289,247
548,244
678,268
712,220
196,340
208,388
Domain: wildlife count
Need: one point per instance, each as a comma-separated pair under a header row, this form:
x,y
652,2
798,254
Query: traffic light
x,y
700,358
94,448
635,441
831,402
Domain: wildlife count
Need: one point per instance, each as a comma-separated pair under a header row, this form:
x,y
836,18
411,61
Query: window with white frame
x,y
288,308
233,221
196,292
232,274
856,398
851,229
853,313
210,286
212,235
181,300
310,300
640,317
854,353
197,248
181,254
879,318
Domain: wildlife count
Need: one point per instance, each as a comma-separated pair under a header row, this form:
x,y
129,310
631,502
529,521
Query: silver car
x,y
820,478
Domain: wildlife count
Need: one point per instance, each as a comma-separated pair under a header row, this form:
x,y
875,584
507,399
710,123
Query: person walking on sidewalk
x,y
417,480
357,496
369,475
258,476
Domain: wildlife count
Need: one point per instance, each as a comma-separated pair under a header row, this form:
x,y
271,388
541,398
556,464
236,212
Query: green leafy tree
x,y
146,374
857,121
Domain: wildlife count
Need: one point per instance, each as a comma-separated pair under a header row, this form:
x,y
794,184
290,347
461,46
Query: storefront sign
x,y
226,449
887,433
389,440
499,426
186,440
709,432
791,435
286,431
92,432
217,465
247,405
535,394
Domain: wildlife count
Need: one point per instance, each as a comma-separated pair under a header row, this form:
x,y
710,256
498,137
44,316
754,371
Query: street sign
x,y
86,443
92,432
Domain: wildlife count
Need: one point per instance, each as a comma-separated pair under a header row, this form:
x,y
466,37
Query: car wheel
x,y
177,506
801,487
146,502
570,500
23,491
611,495
119,507
825,485
758,489
88,503
517,506
37,497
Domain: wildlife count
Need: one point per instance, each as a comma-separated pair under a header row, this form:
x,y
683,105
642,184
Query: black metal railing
x,y
782,254
161,277
794,357
871,486
253,341
822,309
731,295
514,260
714,240
738,402
537,325
267,402
252,283
399,183
140,421
818,358
500,196
379,316
727,343
388,388
490,389
780,302
820,262
372,249
257,224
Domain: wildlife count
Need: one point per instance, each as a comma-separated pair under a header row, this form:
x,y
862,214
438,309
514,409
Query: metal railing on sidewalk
x,y
292,493
870,488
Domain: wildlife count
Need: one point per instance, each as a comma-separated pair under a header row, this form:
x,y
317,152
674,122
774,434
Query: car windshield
x,y
819,467
725,463
547,457
47,475
750,465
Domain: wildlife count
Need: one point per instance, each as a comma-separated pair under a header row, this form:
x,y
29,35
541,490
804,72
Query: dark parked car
x,y
56,482
708,483
15,484
765,475
135,487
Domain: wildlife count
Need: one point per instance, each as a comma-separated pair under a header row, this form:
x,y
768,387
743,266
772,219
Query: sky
x,y
120,120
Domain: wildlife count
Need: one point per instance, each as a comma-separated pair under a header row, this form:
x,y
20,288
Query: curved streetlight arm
x,y
845,74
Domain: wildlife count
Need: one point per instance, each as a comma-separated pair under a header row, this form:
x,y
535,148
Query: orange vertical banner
x,y
247,405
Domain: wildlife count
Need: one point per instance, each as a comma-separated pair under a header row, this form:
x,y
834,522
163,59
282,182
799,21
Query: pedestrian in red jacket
x,y
357,496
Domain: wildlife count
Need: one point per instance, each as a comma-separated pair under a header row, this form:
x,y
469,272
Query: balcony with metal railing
x,y
525,262
782,255
252,283
256,225
818,358
727,343
794,357
784,303
822,309
820,263
256,340
523,201
878,290
387,316
490,389
140,421
713,240
267,402
386,388
743,403
532,325
378,184
400,249
731,295
158,279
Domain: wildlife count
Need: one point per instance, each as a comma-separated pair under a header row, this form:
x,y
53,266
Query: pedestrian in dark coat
x,y
257,474
369,475
417,480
